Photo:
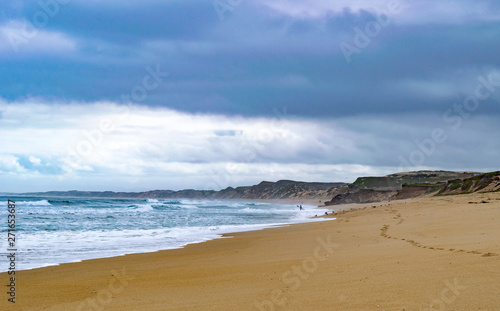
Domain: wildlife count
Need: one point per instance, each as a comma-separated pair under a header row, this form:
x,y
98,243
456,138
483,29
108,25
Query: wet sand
x,y
428,254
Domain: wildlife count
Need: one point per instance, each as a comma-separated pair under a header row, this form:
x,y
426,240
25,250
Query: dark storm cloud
x,y
255,60
124,22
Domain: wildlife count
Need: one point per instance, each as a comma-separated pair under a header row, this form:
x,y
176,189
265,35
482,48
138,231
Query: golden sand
x,y
427,254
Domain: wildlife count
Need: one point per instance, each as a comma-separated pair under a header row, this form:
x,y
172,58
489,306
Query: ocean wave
x,y
172,202
254,210
96,228
160,206
56,202
142,207
34,203
189,206
268,211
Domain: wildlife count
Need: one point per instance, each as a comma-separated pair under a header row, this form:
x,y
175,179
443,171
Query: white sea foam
x,y
193,206
143,207
33,203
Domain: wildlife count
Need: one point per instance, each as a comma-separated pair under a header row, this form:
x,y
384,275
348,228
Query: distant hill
x,y
414,184
283,189
363,190
396,181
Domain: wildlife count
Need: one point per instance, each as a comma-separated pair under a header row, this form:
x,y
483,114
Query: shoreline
x,y
218,234
440,253
307,201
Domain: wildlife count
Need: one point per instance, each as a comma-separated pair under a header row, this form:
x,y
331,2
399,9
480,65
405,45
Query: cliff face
x,y
396,181
283,189
354,194
359,195
400,186
488,182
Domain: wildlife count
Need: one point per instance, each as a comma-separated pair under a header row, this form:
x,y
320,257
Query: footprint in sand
x,y
385,228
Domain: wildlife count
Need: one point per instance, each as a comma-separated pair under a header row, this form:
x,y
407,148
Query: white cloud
x,y
9,165
18,36
106,146
415,12
315,8
35,160
434,89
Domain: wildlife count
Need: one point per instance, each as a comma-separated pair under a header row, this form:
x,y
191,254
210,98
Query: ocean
x,y
51,231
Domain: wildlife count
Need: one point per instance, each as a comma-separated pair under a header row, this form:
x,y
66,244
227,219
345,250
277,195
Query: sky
x,y
176,94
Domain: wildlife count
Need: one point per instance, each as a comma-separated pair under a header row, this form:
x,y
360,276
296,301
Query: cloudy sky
x,y
174,94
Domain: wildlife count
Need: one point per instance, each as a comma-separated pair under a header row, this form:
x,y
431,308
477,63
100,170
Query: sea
x,y
52,231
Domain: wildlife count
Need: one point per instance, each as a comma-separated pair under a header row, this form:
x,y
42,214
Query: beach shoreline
x,y
418,254
198,234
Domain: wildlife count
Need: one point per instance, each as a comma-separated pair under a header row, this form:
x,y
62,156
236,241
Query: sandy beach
x,y
436,253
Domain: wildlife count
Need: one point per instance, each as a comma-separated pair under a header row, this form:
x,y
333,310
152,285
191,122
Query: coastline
x,y
438,252
202,236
